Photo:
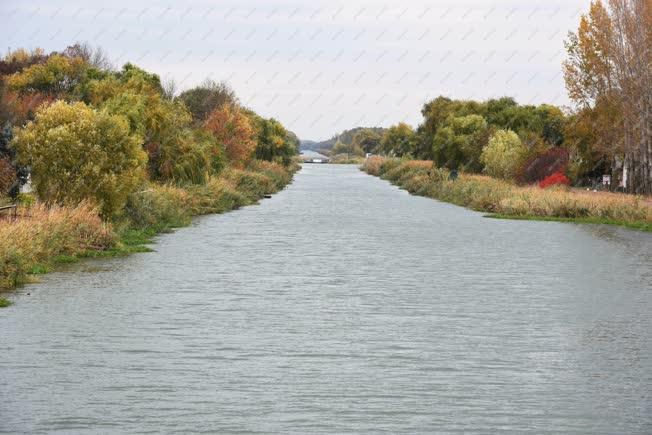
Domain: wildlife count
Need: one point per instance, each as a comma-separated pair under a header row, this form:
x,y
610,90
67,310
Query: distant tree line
x,y
476,136
608,75
355,141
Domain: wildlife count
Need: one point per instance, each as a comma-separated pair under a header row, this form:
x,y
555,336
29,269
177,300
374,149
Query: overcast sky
x,y
322,66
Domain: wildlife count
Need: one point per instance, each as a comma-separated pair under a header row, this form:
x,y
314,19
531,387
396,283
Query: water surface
x,y
342,304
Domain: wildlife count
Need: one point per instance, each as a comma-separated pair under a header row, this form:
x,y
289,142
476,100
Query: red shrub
x,y
543,165
556,178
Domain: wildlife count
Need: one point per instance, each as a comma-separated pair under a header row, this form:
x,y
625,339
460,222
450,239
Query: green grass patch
x,y
640,226
65,259
40,269
4,303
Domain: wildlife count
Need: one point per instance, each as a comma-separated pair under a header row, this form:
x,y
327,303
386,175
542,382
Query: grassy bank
x,y
43,237
347,160
505,200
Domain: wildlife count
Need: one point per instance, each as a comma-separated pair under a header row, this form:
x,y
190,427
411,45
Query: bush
x,y
278,173
503,155
543,165
253,185
181,159
372,165
555,179
406,169
79,154
216,196
160,207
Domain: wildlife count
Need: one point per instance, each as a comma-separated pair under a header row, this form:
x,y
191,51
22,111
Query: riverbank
x,y
505,200
43,237
346,160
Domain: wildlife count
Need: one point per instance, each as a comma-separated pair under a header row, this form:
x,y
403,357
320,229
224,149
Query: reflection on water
x,y
341,304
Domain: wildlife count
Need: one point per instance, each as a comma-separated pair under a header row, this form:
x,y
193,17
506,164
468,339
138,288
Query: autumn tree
x,y
590,157
503,155
208,96
94,56
273,141
233,130
17,60
608,71
58,75
77,153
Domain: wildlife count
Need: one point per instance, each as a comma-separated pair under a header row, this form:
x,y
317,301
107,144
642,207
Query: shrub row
x,y
41,235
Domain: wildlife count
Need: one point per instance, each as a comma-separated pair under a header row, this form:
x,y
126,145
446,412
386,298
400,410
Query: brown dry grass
x,y
503,198
41,233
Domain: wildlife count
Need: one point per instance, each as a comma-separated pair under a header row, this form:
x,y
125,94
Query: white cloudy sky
x,y
322,66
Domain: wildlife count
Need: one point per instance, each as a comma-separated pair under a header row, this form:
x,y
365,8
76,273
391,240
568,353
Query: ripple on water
x,y
342,304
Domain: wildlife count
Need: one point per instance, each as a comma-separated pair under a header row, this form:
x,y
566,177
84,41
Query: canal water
x,y
341,304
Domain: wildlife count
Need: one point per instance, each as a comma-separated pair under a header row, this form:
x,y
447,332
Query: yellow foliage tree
x,y
77,154
608,72
504,154
59,74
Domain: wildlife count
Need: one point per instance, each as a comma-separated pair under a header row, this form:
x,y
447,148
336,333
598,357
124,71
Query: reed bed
x,y
42,236
505,199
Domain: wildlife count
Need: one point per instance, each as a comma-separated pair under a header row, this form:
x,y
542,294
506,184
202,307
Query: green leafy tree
x,y
399,140
174,152
437,114
459,142
293,141
346,148
504,154
550,123
77,154
183,157
135,76
273,141
368,140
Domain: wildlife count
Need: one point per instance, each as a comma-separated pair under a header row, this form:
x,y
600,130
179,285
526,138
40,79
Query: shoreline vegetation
x,y
98,159
347,160
603,141
42,238
505,200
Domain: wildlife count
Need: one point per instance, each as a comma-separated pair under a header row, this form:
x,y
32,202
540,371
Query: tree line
x,y
85,130
608,131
